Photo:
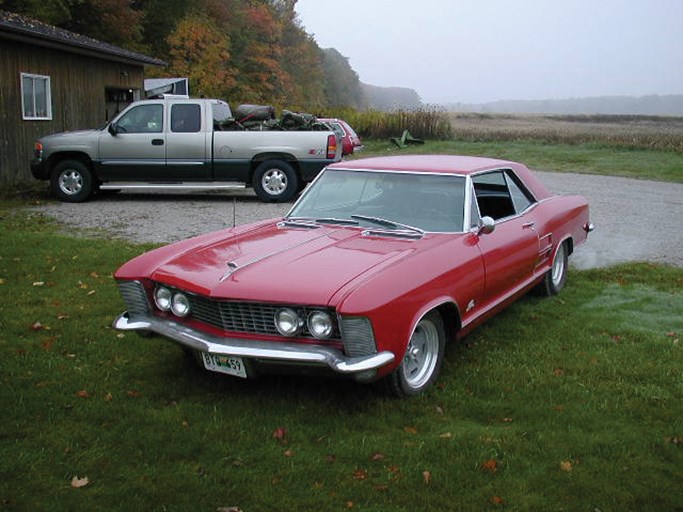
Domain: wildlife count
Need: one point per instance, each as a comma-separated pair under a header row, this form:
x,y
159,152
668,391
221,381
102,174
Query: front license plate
x,y
224,364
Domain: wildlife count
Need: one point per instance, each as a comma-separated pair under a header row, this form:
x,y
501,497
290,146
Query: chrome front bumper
x,y
280,352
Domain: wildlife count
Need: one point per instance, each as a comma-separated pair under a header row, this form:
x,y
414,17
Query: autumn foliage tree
x,y
245,51
201,52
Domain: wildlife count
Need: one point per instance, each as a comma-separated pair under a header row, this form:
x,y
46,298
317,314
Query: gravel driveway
x,y
635,220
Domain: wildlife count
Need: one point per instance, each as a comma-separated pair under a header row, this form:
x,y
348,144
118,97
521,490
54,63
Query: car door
x,y
134,146
511,250
186,144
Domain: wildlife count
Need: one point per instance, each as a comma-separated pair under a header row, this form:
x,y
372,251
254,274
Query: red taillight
x,y
38,149
331,147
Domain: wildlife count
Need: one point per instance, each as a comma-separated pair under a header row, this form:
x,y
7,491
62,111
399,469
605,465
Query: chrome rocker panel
x,y
280,352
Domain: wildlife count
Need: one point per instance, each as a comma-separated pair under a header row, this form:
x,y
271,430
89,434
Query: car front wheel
x,y
275,181
72,181
422,359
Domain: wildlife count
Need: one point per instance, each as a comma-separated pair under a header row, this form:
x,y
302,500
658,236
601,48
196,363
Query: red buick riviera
x,y
378,265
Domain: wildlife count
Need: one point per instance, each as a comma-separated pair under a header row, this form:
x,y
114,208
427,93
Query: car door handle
x,y
157,142
528,225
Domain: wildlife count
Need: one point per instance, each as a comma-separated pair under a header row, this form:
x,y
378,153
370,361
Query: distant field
x,y
628,132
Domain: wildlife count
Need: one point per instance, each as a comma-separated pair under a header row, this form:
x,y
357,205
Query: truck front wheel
x,y
275,181
72,181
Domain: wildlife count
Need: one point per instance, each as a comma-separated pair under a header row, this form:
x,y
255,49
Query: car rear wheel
x,y
555,278
275,181
72,181
422,358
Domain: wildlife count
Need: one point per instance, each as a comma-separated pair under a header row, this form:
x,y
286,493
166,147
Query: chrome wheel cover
x,y
70,182
558,267
421,355
274,182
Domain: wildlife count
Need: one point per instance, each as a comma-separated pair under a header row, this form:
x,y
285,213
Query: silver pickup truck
x,y
181,143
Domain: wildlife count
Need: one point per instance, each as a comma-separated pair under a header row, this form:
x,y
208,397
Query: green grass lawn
x,y
584,159
569,403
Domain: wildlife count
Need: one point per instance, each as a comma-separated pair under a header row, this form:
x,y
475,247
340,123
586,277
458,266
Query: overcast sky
x,y
473,51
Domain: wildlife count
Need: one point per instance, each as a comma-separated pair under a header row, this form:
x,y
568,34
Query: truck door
x,y
134,146
187,150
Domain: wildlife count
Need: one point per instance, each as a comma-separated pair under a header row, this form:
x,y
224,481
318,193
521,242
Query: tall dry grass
x,y
426,123
626,132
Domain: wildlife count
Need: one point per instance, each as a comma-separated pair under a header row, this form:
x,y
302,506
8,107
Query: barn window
x,y
36,102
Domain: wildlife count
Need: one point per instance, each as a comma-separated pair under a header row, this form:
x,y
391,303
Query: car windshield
x,y
390,200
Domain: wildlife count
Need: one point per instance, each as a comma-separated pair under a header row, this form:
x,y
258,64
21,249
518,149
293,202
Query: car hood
x,y
285,264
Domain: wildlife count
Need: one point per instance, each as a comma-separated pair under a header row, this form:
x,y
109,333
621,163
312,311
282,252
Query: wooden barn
x,y
52,80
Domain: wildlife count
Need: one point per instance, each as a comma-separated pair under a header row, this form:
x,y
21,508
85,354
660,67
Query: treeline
x,y
247,51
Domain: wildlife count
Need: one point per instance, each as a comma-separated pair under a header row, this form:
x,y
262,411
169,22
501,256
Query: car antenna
x,y
234,208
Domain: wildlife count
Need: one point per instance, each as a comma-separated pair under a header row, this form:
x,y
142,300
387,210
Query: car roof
x,y
451,164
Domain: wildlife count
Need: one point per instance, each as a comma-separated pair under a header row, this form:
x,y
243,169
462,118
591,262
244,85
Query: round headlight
x,y
320,324
162,298
180,305
287,322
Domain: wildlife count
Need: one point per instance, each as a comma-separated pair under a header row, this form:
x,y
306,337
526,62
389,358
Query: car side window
x,y
493,196
186,118
521,197
142,119
500,194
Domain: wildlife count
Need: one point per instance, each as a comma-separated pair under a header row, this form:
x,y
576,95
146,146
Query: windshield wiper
x,y
391,224
322,220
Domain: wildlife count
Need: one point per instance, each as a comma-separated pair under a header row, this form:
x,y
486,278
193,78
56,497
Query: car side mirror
x,y
486,226
112,129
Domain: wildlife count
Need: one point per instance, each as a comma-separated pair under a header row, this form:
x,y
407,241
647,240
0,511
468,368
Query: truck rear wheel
x,y
275,181
72,181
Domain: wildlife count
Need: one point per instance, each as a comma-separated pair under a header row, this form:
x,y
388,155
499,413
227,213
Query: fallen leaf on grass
x,y
490,465
92,292
349,504
39,283
446,435
77,483
566,466
82,394
377,456
410,430
675,440
497,500
288,453
280,434
427,477
558,372
360,474
37,327
133,394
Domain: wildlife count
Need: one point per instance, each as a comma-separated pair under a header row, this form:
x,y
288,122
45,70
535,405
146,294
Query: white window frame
x,y
48,98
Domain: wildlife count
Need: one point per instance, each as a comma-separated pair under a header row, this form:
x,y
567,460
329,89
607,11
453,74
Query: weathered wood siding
x,y
78,85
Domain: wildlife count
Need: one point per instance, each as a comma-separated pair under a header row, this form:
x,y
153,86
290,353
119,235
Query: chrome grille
x,y
359,340
235,316
133,294
248,317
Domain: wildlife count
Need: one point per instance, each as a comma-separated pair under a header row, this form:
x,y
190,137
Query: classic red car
x,y
377,266
350,141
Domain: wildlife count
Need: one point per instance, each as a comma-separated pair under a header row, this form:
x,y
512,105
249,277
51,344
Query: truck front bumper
x,y
287,353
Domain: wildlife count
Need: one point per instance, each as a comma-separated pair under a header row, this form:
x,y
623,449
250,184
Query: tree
x,y
200,51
